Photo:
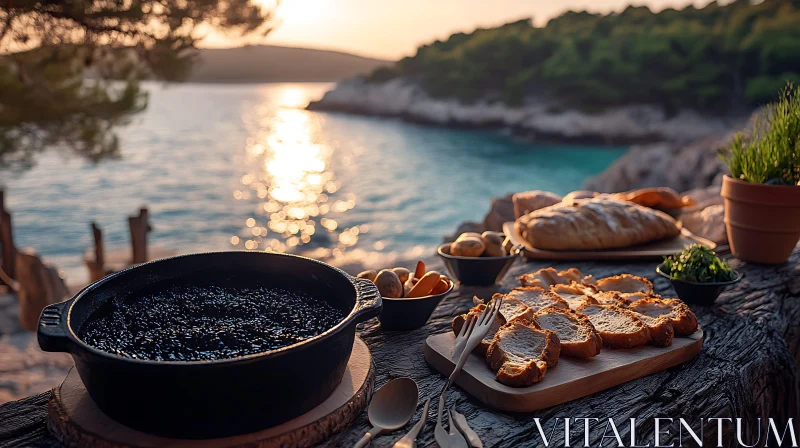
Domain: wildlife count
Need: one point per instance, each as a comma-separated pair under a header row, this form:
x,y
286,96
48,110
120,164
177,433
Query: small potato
x,y
467,247
402,273
494,244
409,284
468,234
508,245
389,284
369,275
493,238
494,249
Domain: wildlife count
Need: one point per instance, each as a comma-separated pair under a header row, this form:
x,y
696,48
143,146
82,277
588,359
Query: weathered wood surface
x,y
95,258
747,368
139,226
8,252
39,286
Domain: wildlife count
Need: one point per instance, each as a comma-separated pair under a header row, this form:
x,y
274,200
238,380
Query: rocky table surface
x,y
748,368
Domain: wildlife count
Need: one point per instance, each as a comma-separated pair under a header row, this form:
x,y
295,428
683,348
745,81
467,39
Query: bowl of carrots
x,y
410,305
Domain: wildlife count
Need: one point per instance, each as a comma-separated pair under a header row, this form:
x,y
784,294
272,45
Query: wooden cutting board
x,y
75,420
654,250
570,379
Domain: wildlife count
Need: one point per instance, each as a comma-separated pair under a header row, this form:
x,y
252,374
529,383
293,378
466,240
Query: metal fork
x,y
479,331
463,336
476,331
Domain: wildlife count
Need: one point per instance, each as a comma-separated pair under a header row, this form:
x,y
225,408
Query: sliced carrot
x,y
420,271
424,285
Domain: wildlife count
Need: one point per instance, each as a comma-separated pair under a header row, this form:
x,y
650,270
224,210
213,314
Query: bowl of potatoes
x,y
409,298
479,259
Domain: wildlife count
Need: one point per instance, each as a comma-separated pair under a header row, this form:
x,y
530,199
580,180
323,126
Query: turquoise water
x,y
244,166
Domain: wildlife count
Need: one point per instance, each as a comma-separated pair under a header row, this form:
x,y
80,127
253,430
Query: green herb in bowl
x,y
698,264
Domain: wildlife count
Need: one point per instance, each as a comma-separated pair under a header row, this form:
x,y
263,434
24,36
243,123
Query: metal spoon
x,y
391,408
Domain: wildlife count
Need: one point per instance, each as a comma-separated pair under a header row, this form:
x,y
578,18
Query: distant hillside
x,y
725,56
267,63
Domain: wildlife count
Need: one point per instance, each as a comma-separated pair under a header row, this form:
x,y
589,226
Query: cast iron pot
x,y
208,399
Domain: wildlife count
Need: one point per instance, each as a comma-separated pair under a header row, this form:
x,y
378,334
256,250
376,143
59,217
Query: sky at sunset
x,y
392,29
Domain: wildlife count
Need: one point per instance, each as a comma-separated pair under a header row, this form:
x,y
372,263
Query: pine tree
x,y
70,69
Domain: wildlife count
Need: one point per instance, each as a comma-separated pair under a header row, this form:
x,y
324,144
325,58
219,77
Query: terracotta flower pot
x,y
763,221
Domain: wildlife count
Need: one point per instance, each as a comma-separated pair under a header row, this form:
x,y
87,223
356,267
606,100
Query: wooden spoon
x,y
391,408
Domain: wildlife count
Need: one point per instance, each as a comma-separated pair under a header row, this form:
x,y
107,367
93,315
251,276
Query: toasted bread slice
x,y
684,322
547,277
610,298
631,297
476,311
661,329
618,327
520,353
574,294
624,283
537,298
512,308
575,332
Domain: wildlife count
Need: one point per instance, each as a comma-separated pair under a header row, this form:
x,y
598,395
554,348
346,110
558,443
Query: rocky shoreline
x,y
539,119
679,151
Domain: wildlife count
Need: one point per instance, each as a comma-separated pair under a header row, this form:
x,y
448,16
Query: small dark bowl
x,y
476,271
697,293
406,314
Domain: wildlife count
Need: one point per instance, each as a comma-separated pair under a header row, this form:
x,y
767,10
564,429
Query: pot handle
x,y
368,299
52,331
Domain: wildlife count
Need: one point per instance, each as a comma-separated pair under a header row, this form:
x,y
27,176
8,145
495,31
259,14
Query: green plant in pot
x,y
762,194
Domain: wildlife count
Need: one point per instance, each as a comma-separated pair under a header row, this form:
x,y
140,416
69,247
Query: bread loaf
x,y
594,224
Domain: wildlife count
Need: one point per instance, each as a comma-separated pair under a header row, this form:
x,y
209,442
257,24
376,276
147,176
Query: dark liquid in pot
x,y
187,321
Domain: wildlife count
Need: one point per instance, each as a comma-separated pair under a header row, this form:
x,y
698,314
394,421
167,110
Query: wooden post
x,y
139,227
39,286
96,261
7,248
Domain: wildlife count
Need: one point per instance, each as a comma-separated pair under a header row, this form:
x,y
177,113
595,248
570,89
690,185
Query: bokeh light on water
x,y
292,179
242,166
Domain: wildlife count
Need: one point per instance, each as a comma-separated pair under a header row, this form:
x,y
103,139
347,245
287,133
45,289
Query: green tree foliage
x,y
70,69
719,57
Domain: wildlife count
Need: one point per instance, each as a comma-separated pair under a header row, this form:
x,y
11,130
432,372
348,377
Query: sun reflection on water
x,y
293,180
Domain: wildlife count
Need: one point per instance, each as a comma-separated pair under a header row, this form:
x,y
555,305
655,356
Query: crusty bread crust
x,y
655,197
511,308
636,296
528,201
618,327
547,277
661,330
476,311
574,294
592,224
624,283
575,332
520,353
610,298
537,298
684,322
